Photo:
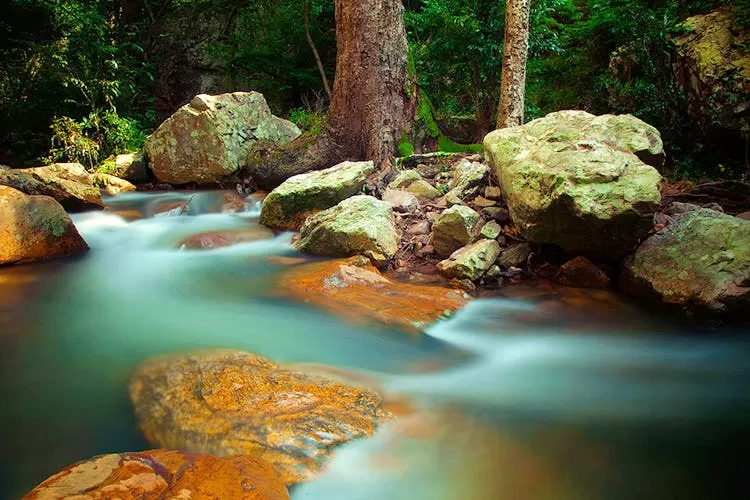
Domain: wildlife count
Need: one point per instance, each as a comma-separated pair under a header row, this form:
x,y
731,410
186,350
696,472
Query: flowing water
x,y
541,394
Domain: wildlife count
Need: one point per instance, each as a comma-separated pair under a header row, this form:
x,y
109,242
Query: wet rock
x,y
492,193
471,262
300,196
355,290
469,177
515,256
579,181
700,263
236,403
210,137
359,225
491,230
68,183
224,238
163,474
132,167
454,228
582,273
35,228
111,184
401,201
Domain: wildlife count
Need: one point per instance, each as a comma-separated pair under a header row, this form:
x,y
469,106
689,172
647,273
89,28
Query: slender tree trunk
x,y
515,52
372,105
314,49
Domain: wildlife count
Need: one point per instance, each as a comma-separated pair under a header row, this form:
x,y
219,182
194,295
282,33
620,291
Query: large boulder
x,y
455,227
236,403
359,225
210,137
300,196
68,183
712,66
163,474
579,181
35,228
700,262
353,289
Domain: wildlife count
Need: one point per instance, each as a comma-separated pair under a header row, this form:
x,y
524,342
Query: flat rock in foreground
x,y
236,403
157,474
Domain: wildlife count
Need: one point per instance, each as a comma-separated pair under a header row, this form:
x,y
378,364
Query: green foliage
x,y
309,121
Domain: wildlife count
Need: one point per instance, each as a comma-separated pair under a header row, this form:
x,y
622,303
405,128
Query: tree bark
x,y
372,104
515,52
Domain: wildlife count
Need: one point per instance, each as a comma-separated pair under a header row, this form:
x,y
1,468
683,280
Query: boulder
x,y
300,196
712,66
35,228
472,261
401,201
210,137
582,273
353,289
454,228
163,474
579,181
236,403
68,183
469,177
131,167
359,225
699,263
111,184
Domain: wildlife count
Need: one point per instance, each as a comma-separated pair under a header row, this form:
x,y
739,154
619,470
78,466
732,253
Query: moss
x,y
108,166
405,147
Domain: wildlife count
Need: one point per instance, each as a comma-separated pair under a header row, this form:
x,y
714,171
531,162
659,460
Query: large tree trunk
x,y
515,52
373,104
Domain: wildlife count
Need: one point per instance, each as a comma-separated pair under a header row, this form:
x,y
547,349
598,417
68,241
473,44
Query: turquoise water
x,y
558,394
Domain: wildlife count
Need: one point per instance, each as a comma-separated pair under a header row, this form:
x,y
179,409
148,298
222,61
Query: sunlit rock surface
x,y
232,402
355,290
471,261
300,196
585,183
111,184
68,183
35,228
210,137
156,474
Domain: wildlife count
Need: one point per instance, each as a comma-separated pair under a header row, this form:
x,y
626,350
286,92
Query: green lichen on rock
x,y
300,196
580,181
472,261
700,262
455,227
360,225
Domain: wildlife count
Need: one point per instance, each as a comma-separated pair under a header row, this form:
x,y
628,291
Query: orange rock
x,y
230,403
225,238
354,289
159,474
34,228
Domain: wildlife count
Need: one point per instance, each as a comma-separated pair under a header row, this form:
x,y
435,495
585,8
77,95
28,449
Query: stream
x,y
539,392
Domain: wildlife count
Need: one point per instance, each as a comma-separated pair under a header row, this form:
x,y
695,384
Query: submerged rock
x,y
68,183
471,262
158,474
300,196
35,228
111,184
700,262
359,225
354,289
579,181
224,238
236,403
210,137
455,227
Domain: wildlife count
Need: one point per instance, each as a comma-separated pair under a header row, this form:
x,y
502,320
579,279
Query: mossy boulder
x,y
35,228
300,196
358,225
68,183
210,137
699,263
585,183
236,403
713,69
455,227
471,261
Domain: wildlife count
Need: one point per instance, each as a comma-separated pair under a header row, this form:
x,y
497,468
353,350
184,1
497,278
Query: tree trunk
x,y
515,52
372,106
